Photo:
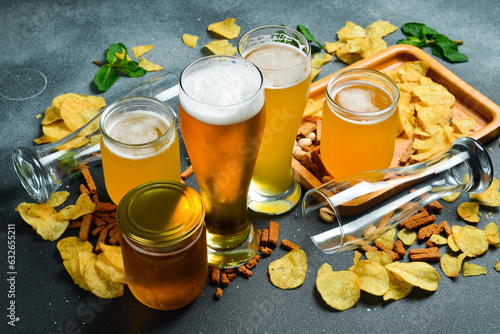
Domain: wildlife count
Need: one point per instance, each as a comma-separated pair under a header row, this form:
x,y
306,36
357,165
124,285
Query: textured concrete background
x,y
51,44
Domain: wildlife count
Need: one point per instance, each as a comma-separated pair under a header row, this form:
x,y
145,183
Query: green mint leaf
x,y
132,69
448,50
105,77
116,49
67,161
428,33
304,31
415,41
413,29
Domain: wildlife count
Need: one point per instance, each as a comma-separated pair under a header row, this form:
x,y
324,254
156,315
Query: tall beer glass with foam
x,y
222,117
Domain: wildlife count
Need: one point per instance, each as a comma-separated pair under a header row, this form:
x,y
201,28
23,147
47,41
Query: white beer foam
x,y
222,93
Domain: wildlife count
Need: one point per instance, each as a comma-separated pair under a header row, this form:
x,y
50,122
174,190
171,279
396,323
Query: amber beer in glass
x,y
359,122
283,55
222,117
139,144
164,244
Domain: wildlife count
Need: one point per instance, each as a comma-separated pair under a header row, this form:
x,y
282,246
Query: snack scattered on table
x,y
373,276
221,47
469,211
471,269
450,265
471,240
141,50
339,289
227,28
190,40
289,272
491,197
356,43
149,66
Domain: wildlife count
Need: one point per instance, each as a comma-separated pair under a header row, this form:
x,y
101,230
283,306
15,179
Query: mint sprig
x,y
304,31
108,73
420,35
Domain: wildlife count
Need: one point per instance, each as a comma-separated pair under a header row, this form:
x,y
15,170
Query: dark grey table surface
x,y
52,43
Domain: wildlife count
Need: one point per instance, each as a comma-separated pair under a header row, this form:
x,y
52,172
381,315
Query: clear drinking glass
x,y
339,214
222,117
42,169
284,57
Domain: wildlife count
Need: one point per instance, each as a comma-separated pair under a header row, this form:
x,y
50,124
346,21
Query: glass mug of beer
x,y
359,122
139,143
284,57
222,117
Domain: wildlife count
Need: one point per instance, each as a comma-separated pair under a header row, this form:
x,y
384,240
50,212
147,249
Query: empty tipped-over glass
x,y
351,211
42,169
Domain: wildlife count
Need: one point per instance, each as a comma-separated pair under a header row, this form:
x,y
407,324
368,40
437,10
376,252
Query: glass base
x,y
275,205
237,256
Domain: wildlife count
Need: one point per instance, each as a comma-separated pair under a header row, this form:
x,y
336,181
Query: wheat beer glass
x,y
222,117
139,143
283,55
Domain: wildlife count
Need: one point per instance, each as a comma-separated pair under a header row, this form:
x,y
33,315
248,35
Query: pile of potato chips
x,y
103,274
68,113
356,43
424,111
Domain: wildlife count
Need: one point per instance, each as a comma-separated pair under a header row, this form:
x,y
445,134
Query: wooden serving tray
x,y
469,102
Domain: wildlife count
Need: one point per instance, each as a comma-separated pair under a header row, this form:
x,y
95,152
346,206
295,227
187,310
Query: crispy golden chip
x,y
58,100
69,248
190,40
452,197
56,130
421,67
97,281
227,28
73,143
44,220
313,108
314,73
149,66
76,113
105,266
490,197
379,29
373,276
469,211
438,240
497,266
491,231
434,95
350,31
406,121
221,47
44,139
339,289
379,256
96,101
357,257
451,265
122,55
387,239
289,271
452,244
114,255
82,206
51,115
57,198
471,269
464,125
349,58
420,274
334,47
320,59
374,45
325,268
141,50
398,289
471,240
94,139
407,237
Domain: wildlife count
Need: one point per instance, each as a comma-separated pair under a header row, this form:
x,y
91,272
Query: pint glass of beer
x,y
222,117
139,143
283,55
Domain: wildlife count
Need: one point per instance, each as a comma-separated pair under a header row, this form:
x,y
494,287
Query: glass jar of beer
x,y
163,243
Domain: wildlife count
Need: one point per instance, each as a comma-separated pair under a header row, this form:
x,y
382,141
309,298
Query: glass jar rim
x,y
369,73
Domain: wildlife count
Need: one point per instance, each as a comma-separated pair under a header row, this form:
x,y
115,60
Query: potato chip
x,y
350,31
471,269
44,219
379,29
122,55
314,73
339,289
149,66
373,276
227,28
73,143
190,40
313,108
97,281
94,139
320,59
96,101
407,236
357,257
387,239
56,130
323,269
51,115
398,289
114,255
452,197
69,248
406,121
464,125
289,272
349,58
58,100
451,265
58,198
438,240
490,197
434,95
105,266
420,274
82,206
44,139
491,231
379,256
76,113
471,240
334,47
469,211
141,50
497,266
452,244
221,47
